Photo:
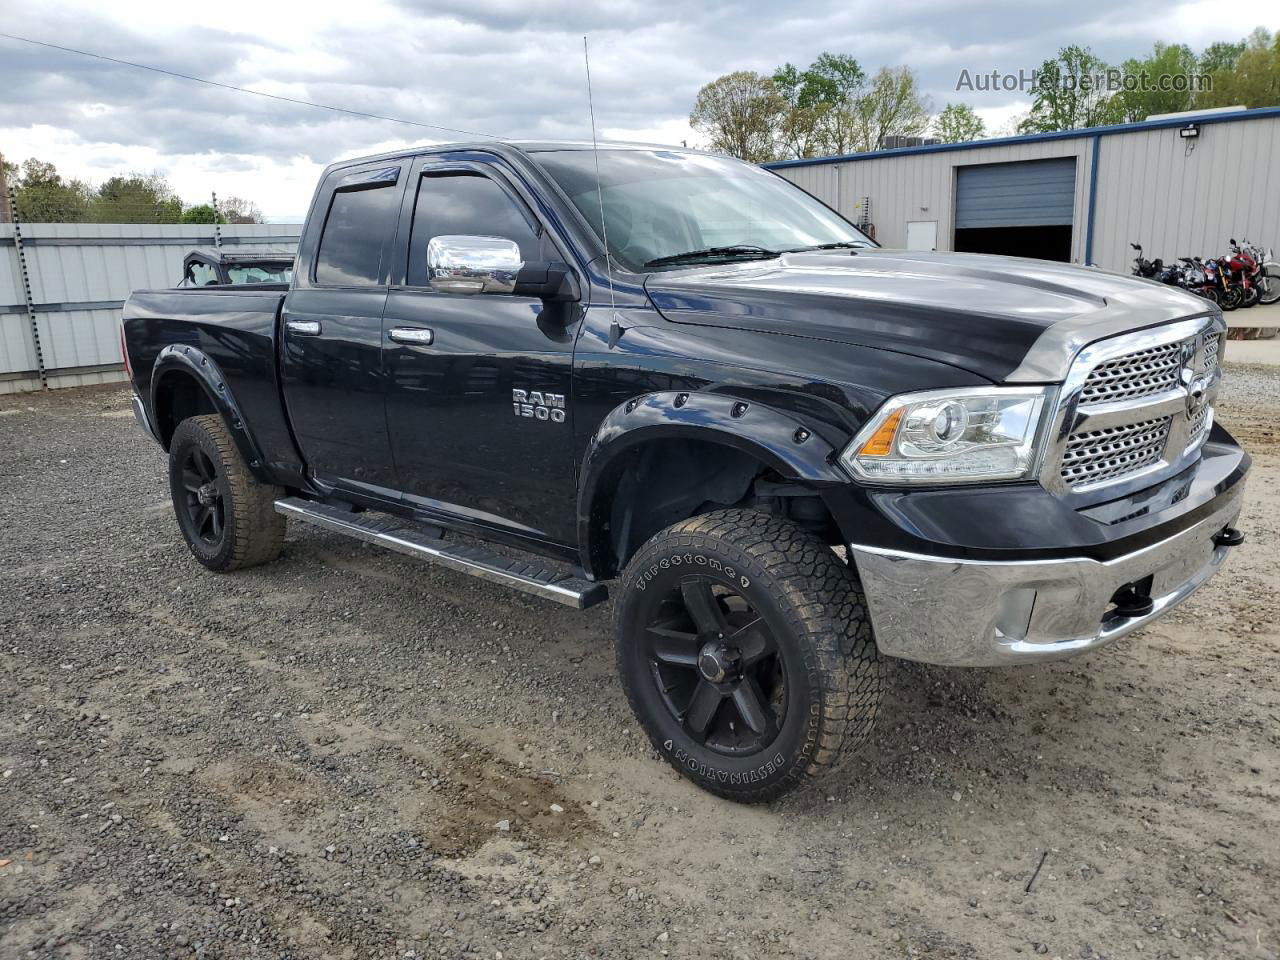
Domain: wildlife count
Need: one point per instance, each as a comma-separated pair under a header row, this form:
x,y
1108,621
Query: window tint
x,y
467,204
355,231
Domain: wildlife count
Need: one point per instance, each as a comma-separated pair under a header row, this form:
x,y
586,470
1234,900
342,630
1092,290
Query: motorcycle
x,y
1149,269
1241,270
1199,277
1266,277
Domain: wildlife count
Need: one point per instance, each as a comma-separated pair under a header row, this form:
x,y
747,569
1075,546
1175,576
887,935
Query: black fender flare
x,y
194,362
776,437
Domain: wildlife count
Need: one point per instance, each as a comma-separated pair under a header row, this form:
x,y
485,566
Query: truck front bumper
x,y
959,612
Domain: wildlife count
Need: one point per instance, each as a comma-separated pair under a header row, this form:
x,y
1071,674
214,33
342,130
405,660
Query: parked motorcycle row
x,y
1246,276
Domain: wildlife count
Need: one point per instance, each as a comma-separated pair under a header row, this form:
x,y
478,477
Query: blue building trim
x,y
1096,132
1093,199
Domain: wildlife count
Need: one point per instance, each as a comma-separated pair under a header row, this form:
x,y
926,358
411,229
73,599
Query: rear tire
x,y
744,646
226,516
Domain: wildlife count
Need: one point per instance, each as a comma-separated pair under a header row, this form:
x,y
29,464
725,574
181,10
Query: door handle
x,y
304,328
420,336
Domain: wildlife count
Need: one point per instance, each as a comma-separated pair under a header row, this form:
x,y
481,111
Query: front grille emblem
x,y
1190,350
1196,386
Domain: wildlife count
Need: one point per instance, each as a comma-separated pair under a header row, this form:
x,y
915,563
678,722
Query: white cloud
x,y
508,67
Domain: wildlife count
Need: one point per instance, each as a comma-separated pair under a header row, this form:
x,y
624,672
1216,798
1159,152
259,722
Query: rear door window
x,y
356,231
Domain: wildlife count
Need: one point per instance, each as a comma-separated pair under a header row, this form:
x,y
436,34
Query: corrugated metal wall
x,y
1182,198
921,186
80,275
1176,197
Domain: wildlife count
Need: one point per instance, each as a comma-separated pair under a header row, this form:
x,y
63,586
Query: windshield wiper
x,y
714,253
838,245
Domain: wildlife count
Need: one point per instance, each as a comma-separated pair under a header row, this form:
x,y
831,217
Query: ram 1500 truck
x,y
794,452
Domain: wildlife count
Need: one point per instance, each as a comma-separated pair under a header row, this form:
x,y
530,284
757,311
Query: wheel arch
x,y
636,445
187,382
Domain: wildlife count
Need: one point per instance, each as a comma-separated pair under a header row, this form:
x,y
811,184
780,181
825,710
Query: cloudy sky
x,y
505,67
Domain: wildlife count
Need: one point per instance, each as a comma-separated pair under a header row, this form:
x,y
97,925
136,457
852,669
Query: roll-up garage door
x,y
1031,193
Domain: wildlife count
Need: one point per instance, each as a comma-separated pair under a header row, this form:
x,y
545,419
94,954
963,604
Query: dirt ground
x,y
314,759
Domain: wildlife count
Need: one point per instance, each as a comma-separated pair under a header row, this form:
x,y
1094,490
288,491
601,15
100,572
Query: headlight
x,y
950,436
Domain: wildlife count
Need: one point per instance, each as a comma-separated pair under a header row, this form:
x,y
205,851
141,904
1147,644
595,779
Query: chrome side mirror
x,y
462,264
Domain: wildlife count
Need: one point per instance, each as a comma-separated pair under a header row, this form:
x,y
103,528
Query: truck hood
x,y
1003,318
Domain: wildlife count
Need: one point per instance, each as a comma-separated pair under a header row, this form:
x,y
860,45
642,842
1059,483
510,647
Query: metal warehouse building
x,y
1181,185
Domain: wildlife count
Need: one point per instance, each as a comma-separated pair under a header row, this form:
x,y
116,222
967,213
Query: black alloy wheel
x,y
745,649
715,664
227,517
203,512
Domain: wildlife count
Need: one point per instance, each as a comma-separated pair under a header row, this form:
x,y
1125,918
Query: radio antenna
x,y
615,330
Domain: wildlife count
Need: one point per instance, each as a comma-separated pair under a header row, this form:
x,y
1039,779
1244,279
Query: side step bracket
x,y
405,537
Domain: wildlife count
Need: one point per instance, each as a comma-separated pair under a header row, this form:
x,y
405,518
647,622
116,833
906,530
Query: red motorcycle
x,y
1241,270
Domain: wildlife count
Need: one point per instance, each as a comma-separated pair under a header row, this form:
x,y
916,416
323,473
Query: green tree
x,y
837,81
957,123
1170,65
891,106
798,129
43,196
1253,80
740,114
1068,95
239,210
1220,56
202,213
136,198
820,104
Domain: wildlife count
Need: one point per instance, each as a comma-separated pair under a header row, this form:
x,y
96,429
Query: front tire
x,y
745,649
226,516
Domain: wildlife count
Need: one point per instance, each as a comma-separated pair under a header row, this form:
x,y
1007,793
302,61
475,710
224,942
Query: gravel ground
x,y
346,754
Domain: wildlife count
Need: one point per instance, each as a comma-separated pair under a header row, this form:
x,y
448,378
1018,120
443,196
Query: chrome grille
x,y
1128,407
1137,374
1200,424
1096,456
1212,344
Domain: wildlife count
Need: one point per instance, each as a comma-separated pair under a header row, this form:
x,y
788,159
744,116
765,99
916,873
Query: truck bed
x,y
234,329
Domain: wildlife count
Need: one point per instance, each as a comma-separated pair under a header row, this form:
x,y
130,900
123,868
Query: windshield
x,y
660,204
258,273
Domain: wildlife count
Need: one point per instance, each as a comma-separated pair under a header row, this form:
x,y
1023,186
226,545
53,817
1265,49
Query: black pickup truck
x,y
794,452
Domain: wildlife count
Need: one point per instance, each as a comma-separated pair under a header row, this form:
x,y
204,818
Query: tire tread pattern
x,y
257,531
826,609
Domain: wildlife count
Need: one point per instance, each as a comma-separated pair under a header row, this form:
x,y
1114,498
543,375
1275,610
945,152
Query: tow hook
x,y
1130,603
1229,537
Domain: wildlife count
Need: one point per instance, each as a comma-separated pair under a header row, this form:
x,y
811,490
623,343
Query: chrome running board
x,y
404,536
